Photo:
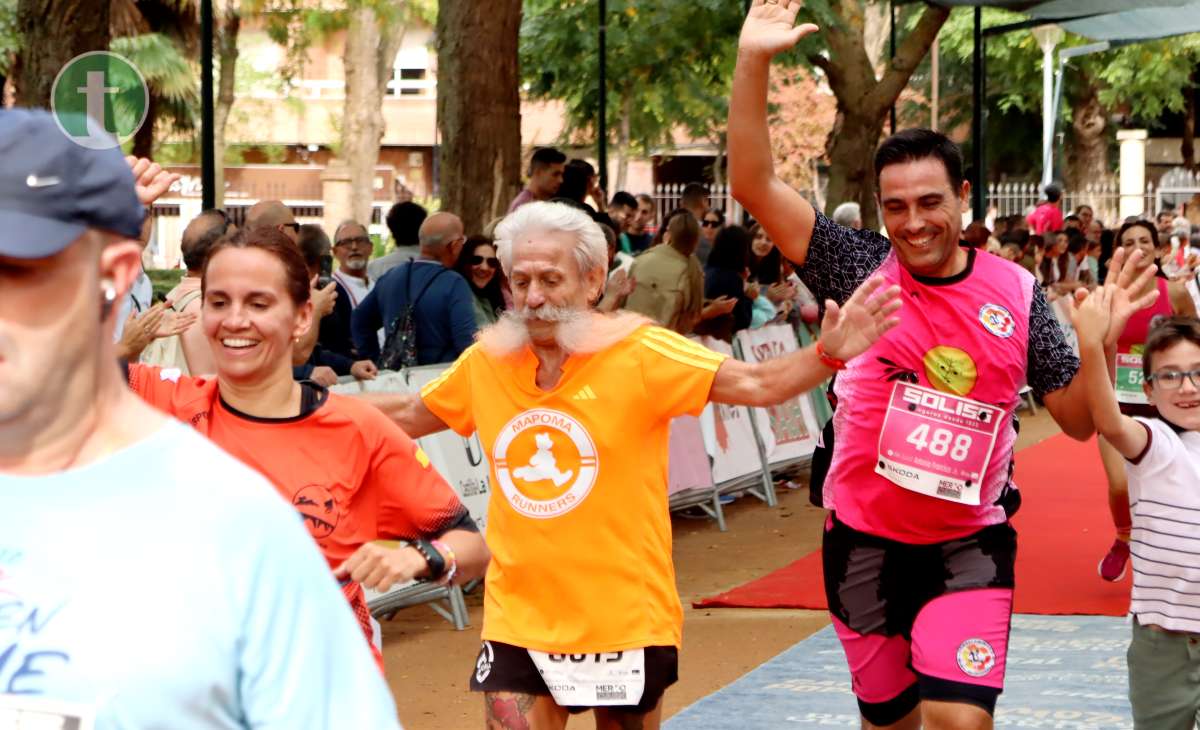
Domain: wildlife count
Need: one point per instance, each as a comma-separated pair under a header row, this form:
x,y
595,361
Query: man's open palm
x,y
770,27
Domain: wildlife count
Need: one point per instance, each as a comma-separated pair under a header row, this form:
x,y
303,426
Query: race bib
x,y
1130,378
23,712
936,443
593,680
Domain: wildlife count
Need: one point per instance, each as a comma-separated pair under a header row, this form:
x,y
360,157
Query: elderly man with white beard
x,y
574,408
352,249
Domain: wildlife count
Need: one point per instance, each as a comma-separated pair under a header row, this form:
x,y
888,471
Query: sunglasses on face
x,y
491,261
355,241
294,226
1173,379
711,224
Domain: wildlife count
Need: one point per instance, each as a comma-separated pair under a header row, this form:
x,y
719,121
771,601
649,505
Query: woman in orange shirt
x,y
353,475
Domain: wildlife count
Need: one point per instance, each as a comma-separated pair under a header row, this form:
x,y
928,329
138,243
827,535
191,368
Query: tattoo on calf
x,y
508,711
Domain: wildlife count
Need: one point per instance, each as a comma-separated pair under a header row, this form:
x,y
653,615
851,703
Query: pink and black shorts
x,y
921,622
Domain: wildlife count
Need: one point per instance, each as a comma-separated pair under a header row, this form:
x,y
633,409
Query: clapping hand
x,y
849,330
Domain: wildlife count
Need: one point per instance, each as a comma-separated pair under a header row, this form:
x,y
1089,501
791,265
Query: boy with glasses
x,y
1163,463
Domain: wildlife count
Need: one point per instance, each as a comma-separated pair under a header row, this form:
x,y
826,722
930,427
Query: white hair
x,y
591,249
847,214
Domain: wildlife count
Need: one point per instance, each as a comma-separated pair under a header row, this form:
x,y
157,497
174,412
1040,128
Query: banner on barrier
x,y
728,435
687,463
793,423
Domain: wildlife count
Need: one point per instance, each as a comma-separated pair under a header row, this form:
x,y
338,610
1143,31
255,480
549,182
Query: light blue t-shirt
x,y
169,586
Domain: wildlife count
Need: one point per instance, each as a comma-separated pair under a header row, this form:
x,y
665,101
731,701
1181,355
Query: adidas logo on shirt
x,y
585,393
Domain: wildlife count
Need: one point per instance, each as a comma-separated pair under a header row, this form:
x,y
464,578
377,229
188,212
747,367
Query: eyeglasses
x,y
491,261
711,224
1173,379
355,241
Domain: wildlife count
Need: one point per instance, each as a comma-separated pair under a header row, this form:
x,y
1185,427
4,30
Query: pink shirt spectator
x,y
523,197
1045,218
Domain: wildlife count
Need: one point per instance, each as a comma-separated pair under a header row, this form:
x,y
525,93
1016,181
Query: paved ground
x,y
428,662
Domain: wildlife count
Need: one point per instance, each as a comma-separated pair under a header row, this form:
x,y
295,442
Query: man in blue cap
x,y
145,576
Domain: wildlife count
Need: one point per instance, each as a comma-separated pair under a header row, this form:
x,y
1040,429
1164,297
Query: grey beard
x,y
576,331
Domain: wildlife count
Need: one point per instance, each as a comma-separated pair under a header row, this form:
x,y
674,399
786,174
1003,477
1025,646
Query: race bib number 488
x,y
937,444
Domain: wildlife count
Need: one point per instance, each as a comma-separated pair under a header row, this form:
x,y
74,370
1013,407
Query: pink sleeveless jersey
x,y
930,406
1143,320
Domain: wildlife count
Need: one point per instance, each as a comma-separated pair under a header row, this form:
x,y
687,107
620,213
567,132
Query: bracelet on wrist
x,y
828,360
433,558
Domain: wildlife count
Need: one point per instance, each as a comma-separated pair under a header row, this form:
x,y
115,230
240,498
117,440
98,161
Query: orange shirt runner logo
x,y
545,462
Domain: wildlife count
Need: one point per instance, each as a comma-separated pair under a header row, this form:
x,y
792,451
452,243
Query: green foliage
x,y
671,60
10,37
164,280
1145,80
173,79
297,24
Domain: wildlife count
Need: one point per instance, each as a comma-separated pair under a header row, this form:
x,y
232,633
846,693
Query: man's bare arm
x,y
784,213
407,410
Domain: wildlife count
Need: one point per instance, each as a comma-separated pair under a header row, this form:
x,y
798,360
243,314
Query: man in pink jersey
x,y
918,552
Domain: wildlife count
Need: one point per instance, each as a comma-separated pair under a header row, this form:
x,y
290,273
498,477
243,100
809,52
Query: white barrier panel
x,y
793,423
687,462
460,460
1193,287
728,435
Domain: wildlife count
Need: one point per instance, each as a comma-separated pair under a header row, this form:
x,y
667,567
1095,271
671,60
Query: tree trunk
x,y
143,138
863,101
1089,159
623,140
1188,147
851,173
227,55
362,119
719,160
54,32
479,108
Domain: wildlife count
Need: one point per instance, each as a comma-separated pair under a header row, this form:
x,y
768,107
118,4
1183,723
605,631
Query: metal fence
x,y
1019,198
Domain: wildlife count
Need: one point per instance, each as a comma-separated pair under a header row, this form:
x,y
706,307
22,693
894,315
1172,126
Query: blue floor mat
x,y
1064,673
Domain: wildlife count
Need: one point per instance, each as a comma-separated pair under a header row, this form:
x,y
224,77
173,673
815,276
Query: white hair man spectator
x,y
848,214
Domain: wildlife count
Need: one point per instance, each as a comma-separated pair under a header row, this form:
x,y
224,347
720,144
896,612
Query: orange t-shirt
x,y
578,520
351,472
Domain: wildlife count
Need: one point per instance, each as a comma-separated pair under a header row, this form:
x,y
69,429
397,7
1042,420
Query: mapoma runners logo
x,y
545,463
99,100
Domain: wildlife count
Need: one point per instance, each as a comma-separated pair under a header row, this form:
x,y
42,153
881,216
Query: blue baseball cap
x,y
52,189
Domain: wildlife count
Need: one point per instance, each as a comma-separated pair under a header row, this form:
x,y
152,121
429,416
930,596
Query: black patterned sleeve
x,y
839,259
1052,363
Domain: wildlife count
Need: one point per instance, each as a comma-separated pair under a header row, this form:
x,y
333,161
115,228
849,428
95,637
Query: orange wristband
x,y
828,360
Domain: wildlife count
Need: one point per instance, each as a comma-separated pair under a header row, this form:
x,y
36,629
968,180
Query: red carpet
x,y
1064,529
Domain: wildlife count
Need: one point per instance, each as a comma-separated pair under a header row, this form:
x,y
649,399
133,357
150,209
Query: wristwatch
x,y
437,564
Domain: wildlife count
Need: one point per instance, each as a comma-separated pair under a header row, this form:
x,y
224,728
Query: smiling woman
x,y
354,476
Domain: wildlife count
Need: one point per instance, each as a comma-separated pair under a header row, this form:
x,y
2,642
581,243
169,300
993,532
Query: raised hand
x,y
150,180
770,27
848,331
1127,297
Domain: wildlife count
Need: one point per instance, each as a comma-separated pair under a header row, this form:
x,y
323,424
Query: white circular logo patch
x,y
997,320
976,657
545,463
483,665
